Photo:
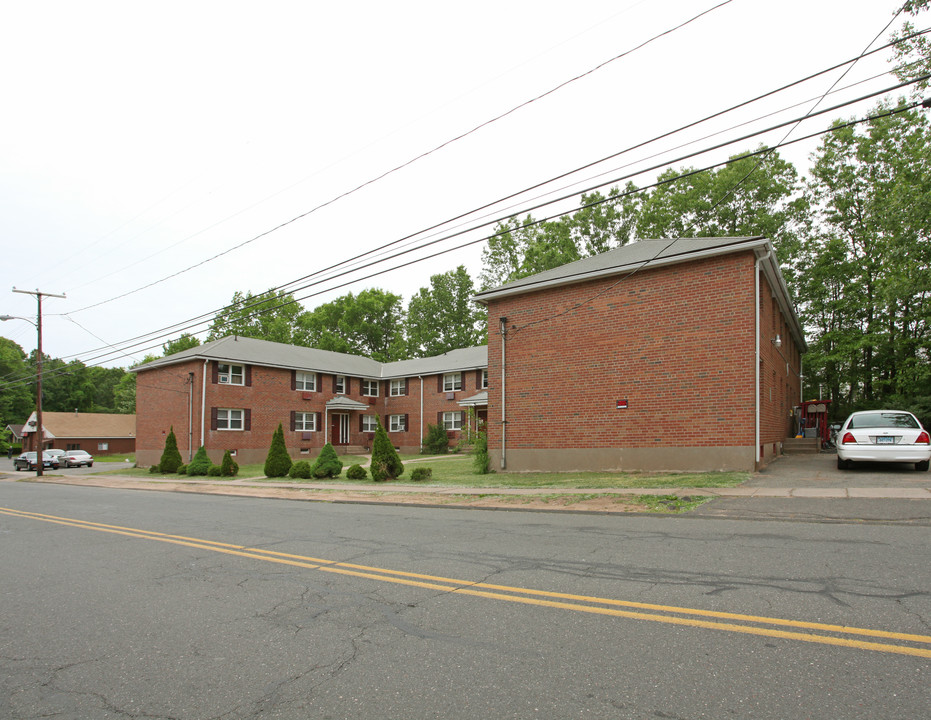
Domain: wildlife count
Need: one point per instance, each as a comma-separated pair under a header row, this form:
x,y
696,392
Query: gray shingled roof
x,y
251,351
655,252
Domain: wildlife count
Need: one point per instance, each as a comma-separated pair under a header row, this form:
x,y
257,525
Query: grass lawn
x,y
456,470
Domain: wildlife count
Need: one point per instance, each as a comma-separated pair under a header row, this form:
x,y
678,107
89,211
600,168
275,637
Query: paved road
x,y
208,607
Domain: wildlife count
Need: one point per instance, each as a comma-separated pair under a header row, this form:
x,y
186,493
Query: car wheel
x,y
90,464
922,466
842,464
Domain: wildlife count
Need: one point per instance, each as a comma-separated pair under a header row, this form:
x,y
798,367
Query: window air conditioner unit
x,y
224,379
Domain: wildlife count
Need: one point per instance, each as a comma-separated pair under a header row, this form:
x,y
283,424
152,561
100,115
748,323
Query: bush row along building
x,y
659,355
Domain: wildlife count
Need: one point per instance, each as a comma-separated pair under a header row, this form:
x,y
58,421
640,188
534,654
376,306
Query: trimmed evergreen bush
x,y
386,465
421,473
327,464
300,470
437,441
153,470
356,472
182,469
171,456
214,471
229,467
480,454
278,462
200,465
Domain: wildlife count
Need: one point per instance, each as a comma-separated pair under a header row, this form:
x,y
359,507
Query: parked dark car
x,y
27,461
76,458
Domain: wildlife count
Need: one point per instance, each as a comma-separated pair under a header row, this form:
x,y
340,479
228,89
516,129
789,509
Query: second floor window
x,y
370,388
339,385
484,379
452,382
229,374
306,381
398,387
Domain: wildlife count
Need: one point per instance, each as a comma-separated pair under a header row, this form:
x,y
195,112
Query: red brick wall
x,y
675,343
163,396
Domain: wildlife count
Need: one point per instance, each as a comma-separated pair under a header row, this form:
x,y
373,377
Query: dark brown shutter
x,y
248,376
439,418
294,380
461,418
317,382
387,385
213,418
406,387
478,379
360,422
247,420
293,420
347,389
334,384
316,422
405,423
439,383
214,372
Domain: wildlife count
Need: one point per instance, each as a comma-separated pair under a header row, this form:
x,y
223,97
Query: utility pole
x,y
40,435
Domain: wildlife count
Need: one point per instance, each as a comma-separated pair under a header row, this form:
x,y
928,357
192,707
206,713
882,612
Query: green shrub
x,y
200,465
278,462
300,470
182,469
229,467
480,462
437,441
171,456
356,472
154,470
328,464
386,465
421,473
214,471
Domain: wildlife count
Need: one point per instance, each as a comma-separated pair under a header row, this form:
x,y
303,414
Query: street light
x,y
40,439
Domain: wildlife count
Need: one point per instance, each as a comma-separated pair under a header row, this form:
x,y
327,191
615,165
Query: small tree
x,y
386,465
229,467
300,470
200,465
327,464
437,441
171,456
278,461
480,454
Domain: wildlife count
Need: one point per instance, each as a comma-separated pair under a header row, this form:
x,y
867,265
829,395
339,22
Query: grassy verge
x,y
455,471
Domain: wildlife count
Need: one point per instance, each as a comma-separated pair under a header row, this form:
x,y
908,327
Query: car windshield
x,y
882,420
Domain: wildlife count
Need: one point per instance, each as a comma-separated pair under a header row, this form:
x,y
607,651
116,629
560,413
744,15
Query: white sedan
x,y
883,436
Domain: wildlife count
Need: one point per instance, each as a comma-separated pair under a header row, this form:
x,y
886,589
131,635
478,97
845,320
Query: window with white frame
x,y
229,419
484,379
305,422
370,388
339,385
230,374
452,382
306,381
102,445
397,423
398,387
452,420
369,423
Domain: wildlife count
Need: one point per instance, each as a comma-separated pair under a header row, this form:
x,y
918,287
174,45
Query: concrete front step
x,y
350,450
801,446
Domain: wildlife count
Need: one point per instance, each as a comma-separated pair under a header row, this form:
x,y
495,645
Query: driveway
x,y
820,470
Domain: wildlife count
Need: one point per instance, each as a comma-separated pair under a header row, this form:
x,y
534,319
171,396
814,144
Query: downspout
x,y
190,418
504,420
420,377
756,306
203,402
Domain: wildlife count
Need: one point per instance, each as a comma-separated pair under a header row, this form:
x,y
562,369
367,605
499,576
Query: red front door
x,y
339,429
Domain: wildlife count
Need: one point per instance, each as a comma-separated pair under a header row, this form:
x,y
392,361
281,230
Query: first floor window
x,y
229,374
452,382
305,422
369,423
306,381
370,388
397,423
452,420
228,419
103,446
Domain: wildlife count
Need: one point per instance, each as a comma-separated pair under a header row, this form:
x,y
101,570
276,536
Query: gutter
x,y
504,420
203,402
756,364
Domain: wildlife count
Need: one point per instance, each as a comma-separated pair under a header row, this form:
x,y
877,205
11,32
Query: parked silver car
x,y
76,458
883,436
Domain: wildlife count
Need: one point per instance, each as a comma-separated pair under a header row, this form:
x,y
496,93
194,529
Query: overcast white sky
x,y
140,138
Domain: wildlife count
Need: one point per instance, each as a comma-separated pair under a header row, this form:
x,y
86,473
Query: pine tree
x,y
171,456
278,462
327,464
386,465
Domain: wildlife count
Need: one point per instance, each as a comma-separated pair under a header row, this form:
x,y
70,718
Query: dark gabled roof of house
x,y
15,430
655,253
233,349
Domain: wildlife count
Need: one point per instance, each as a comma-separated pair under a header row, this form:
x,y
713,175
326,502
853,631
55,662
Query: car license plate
x,y
884,440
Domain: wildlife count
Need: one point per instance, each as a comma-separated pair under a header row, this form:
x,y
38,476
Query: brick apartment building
x,y
231,394
658,355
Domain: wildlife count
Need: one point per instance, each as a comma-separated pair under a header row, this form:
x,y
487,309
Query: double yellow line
x,y
901,643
